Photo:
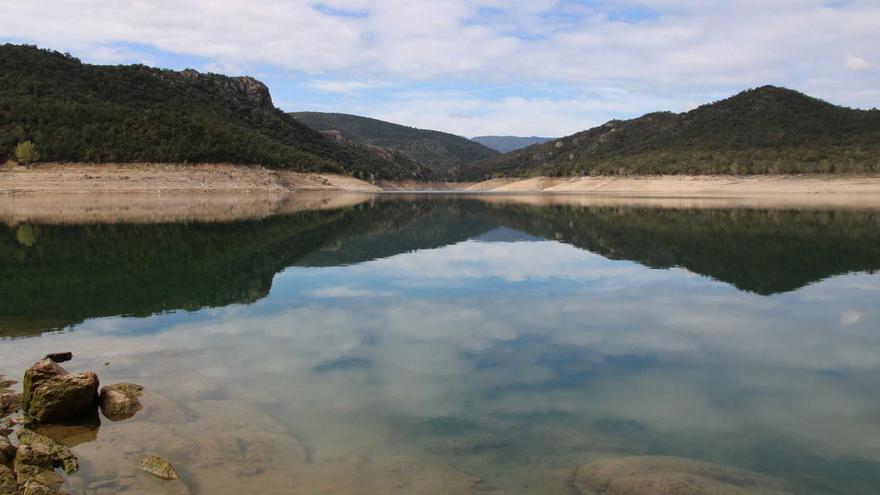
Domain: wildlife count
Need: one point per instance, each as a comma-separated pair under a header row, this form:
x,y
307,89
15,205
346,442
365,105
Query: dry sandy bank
x,y
153,178
176,206
677,185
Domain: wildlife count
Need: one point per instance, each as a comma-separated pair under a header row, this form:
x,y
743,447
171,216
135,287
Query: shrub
x,y
26,152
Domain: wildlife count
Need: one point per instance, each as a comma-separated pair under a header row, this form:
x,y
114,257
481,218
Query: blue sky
x,y
539,67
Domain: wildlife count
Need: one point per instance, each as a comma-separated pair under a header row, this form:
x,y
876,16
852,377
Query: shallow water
x,y
434,344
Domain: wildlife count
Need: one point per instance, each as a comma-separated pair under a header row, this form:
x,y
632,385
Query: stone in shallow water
x,y
44,447
60,357
7,452
9,403
7,480
52,394
665,475
159,467
120,401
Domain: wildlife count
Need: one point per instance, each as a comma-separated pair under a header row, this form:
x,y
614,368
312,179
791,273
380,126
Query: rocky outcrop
x,y
245,88
120,401
52,394
664,475
159,467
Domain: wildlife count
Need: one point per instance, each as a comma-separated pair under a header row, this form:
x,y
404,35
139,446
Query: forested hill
x,y
759,131
446,153
78,112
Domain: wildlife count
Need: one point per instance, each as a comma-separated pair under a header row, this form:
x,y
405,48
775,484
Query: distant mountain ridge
x,y
89,113
506,144
447,154
764,130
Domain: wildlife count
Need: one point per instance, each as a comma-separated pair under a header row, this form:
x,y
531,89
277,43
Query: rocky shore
x,y
52,400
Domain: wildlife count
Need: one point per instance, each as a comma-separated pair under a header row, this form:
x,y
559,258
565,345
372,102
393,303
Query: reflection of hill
x,y
404,227
761,251
55,276
58,275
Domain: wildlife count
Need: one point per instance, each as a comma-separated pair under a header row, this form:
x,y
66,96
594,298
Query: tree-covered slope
x,y
79,112
446,153
763,130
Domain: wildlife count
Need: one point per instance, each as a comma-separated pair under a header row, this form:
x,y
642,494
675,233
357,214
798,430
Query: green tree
x,y
26,152
27,234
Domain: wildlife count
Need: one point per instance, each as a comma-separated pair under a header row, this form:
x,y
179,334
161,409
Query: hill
x,y
446,153
765,130
506,144
88,113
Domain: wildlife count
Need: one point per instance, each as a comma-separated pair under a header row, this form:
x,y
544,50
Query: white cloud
x,y
347,86
856,63
677,51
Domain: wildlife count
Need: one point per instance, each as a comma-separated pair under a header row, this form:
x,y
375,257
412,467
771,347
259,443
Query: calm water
x,y
442,345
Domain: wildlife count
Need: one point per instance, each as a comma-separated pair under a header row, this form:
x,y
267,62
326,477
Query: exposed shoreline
x,y
149,178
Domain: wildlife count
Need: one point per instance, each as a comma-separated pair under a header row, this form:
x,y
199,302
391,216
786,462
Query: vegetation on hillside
x,y
768,130
72,111
448,154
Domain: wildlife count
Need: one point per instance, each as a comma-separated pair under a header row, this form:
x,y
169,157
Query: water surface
x,y
437,344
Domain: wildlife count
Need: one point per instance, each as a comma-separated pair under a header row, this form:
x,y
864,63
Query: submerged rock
x,y
159,467
665,475
120,401
52,394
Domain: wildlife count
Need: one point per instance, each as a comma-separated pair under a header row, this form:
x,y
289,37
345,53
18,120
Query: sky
x,y
535,67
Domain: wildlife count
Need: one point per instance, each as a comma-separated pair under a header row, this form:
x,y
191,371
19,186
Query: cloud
x,y
341,291
675,51
856,63
349,86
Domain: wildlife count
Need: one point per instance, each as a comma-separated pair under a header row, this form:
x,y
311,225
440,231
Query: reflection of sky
x,y
484,330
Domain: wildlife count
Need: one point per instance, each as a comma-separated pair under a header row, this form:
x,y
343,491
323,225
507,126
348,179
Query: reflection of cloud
x,y
851,317
512,262
663,348
342,292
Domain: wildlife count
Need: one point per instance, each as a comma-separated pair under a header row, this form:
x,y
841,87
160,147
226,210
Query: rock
x,y
59,455
9,403
60,357
52,394
120,401
7,452
159,467
7,481
665,475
